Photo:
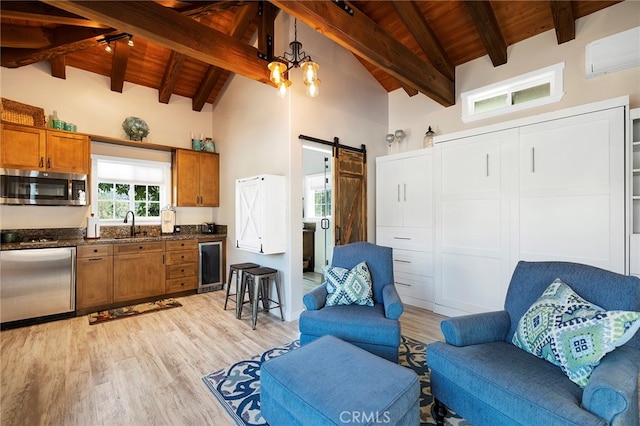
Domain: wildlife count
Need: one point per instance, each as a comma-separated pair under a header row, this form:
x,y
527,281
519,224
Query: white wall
x,y
257,132
415,114
85,99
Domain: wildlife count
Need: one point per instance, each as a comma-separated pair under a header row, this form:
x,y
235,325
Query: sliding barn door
x,y
350,196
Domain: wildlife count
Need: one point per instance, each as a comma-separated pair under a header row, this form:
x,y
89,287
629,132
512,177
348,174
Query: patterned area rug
x,y
237,387
128,311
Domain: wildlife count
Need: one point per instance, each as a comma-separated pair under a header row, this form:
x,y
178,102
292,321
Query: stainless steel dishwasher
x,y
37,282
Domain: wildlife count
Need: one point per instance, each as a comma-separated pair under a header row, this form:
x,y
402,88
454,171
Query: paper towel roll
x,y
93,227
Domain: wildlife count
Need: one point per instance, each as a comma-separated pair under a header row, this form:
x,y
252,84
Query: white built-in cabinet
x,y
552,189
548,187
473,220
404,221
634,249
261,214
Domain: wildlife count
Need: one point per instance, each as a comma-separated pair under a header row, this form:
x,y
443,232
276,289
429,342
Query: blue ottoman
x,y
332,382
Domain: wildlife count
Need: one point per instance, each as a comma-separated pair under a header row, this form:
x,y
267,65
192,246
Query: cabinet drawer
x,y
181,284
94,250
413,262
415,286
420,239
180,271
129,248
179,257
181,245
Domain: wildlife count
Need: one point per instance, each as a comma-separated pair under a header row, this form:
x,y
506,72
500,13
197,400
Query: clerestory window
x,y
529,90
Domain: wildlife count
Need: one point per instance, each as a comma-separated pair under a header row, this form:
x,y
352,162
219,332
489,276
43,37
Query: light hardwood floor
x,y
143,370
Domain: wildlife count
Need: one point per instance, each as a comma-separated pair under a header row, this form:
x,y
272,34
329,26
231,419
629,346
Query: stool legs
x,y
231,271
255,287
257,282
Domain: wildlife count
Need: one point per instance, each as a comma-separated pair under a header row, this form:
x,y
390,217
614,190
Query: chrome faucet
x,y
133,222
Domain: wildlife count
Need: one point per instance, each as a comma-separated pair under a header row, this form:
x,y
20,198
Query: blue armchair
x,y
375,329
487,380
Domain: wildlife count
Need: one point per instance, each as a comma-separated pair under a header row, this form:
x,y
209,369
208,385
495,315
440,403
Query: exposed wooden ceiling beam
x,y
563,20
58,67
266,28
170,77
170,29
418,27
211,78
204,8
40,12
66,40
24,37
241,21
119,64
408,90
488,29
362,36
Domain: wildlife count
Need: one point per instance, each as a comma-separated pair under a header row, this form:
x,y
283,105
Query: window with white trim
x,y
123,184
317,196
540,87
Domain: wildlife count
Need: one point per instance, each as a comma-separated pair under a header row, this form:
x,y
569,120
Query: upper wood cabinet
x,y
32,148
196,178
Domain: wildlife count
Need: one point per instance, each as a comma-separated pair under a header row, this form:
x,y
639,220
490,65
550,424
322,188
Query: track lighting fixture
x,y
108,39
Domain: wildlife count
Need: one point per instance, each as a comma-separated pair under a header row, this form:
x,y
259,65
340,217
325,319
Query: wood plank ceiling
x,y
190,48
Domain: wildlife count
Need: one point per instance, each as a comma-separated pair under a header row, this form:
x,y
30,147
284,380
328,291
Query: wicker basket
x,y
16,112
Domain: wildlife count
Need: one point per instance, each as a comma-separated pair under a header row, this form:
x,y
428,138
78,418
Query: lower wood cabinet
x,y
94,276
182,265
138,270
108,275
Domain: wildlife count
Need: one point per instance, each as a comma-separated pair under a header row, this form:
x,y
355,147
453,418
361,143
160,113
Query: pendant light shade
x,y
277,72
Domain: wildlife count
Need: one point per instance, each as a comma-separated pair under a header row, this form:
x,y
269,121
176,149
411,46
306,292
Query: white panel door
x,y
388,193
572,190
473,221
417,191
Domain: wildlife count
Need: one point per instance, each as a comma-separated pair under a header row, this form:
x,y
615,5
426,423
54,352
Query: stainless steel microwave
x,y
34,187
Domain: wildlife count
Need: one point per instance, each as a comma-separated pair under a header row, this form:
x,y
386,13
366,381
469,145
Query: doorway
x,y
317,212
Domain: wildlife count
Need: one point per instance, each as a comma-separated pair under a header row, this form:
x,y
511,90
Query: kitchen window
x,y
123,184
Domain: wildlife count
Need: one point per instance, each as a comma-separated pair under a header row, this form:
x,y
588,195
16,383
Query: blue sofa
x,y
375,329
486,379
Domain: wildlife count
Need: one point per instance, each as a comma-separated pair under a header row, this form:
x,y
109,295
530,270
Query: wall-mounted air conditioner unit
x,y
613,53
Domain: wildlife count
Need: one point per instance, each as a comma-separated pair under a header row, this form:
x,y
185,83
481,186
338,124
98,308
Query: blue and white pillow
x,y
348,287
572,333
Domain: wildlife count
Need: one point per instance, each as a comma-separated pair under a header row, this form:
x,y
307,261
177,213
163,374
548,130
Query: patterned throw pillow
x,y
566,330
348,287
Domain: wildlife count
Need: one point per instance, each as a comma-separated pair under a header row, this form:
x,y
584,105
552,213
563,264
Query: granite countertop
x,y
74,242
74,237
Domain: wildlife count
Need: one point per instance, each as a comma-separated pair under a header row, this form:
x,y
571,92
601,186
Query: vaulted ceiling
x,y
190,48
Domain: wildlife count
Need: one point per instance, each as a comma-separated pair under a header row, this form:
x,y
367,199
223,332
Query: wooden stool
x,y
258,282
237,268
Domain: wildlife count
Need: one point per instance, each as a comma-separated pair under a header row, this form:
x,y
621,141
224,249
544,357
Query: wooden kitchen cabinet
x,y
32,148
94,276
138,270
196,178
182,265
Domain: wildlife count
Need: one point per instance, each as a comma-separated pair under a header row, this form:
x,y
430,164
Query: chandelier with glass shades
x,y
281,65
